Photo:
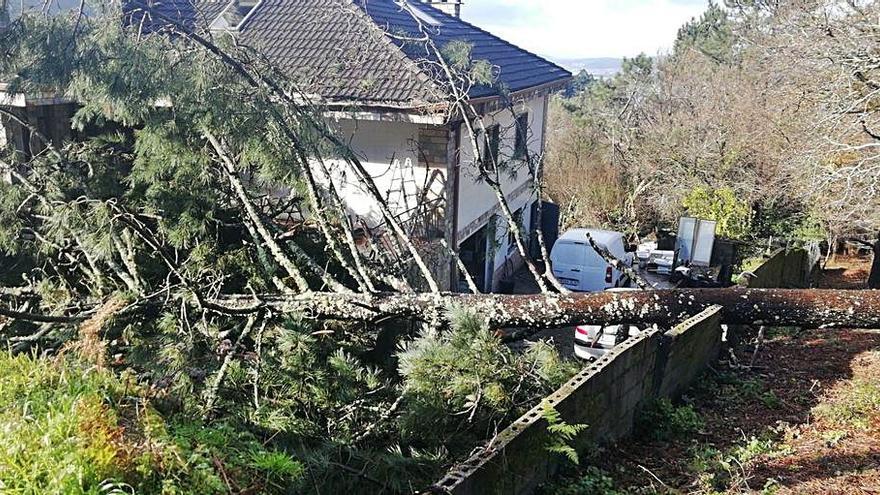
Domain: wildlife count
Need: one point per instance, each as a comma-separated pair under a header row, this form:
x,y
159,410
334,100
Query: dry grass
x,y
90,346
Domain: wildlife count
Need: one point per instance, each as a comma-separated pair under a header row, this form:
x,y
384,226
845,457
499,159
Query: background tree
x,y
711,116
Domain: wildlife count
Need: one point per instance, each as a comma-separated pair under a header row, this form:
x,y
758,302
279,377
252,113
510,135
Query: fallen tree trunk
x,y
774,307
811,308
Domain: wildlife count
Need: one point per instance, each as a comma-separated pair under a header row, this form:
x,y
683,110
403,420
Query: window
x,y
490,146
234,15
521,141
419,14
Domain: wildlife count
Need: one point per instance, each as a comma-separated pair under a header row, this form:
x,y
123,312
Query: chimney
x,y
451,7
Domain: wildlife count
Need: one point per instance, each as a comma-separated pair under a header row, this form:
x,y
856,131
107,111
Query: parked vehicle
x,y
580,268
592,341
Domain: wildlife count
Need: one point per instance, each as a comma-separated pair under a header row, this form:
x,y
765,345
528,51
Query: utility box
x,y
695,240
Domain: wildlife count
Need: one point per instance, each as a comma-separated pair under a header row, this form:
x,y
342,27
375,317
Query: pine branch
x,y
211,393
259,80
253,217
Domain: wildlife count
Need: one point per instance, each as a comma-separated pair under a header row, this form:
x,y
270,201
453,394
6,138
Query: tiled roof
x,y
333,49
351,51
517,69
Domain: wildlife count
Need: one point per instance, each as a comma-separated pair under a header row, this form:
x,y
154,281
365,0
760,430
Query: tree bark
x,y
874,276
810,308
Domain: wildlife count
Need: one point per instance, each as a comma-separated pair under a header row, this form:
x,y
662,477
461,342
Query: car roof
x,y
602,237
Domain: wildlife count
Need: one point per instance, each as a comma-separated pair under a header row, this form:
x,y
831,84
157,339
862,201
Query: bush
x,y
666,421
465,378
69,428
733,216
590,481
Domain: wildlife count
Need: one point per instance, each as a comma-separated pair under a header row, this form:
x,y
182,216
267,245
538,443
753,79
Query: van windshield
x,y
576,253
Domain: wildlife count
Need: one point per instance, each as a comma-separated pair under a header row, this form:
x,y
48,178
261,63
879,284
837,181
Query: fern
x,y
560,433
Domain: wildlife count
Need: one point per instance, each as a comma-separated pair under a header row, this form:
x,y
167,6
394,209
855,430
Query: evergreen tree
x,y
711,35
160,203
579,83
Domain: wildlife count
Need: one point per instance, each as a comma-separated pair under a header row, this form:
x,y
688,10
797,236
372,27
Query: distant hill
x,y
600,67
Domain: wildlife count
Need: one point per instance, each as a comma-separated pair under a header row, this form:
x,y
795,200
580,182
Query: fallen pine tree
x,y
811,308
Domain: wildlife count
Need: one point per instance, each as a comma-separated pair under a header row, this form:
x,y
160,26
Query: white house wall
x,y
476,198
477,202
389,151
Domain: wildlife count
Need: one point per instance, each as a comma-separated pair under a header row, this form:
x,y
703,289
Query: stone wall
x,y
607,396
786,268
433,145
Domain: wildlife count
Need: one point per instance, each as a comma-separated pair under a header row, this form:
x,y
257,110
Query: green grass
x,y
72,429
855,407
718,471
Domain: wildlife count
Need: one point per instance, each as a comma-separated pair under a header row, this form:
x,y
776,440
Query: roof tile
x,y
353,51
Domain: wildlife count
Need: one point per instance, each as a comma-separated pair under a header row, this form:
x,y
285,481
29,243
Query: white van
x,y
580,268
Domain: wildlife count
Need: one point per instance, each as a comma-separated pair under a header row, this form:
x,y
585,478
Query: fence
x,y
608,394
786,268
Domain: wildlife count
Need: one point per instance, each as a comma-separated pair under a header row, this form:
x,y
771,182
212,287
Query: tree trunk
x,y
810,308
874,276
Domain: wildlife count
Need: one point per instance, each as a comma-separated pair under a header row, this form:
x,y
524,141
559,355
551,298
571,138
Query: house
x,y
363,60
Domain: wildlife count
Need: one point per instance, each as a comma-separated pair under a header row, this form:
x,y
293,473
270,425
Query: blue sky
x,y
584,28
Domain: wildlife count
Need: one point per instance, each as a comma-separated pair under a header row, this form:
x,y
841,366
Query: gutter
x,y
548,86
22,100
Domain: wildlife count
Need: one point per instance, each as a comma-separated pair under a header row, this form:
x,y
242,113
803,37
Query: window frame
x,y
521,136
491,146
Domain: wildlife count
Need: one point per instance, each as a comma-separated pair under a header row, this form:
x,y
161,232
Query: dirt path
x,y
803,417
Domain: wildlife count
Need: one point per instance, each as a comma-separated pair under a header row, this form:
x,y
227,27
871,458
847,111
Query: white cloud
x,y
585,28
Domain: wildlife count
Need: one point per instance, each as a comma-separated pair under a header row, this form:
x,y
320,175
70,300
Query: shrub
x,y
593,481
456,379
733,216
666,421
